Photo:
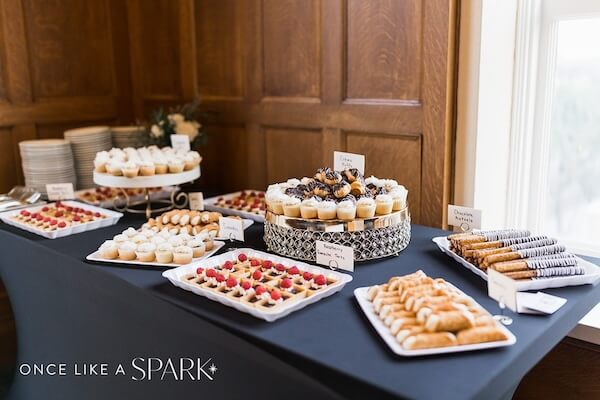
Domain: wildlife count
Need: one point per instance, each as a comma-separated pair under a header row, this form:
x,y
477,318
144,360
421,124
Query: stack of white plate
x,y
129,136
86,142
47,161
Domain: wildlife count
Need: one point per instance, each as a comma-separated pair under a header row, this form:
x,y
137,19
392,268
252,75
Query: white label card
x,y
180,142
335,256
541,302
502,289
196,201
231,228
342,161
464,218
60,191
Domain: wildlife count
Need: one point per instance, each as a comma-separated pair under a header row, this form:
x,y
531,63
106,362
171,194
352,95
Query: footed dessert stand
x,y
176,199
371,238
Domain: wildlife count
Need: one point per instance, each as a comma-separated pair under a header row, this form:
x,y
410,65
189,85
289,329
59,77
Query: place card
x,y
502,289
539,303
335,256
464,218
196,201
231,228
60,191
335,228
180,142
342,161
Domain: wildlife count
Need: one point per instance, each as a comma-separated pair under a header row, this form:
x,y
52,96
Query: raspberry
x,y
246,285
211,273
256,275
62,224
267,264
199,270
286,283
260,290
275,294
242,257
293,270
220,277
320,280
307,276
231,282
280,267
228,265
254,262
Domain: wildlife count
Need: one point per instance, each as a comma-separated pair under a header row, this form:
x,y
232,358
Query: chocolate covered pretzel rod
x,y
476,251
524,251
555,260
547,272
459,244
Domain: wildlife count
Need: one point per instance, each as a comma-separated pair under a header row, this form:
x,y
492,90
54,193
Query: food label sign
x,y
465,218
231,228
60,191
335,256
342,161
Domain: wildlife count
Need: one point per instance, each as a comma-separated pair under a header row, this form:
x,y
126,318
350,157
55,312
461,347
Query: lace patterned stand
x,y
176,199
371,238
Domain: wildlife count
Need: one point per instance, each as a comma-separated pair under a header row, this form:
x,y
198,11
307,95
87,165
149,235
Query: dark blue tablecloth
x,y
334,335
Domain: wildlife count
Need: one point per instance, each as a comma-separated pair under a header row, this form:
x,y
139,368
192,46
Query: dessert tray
x,y
96,257
588,273
246,204
419,325
258,283
107,197
74,217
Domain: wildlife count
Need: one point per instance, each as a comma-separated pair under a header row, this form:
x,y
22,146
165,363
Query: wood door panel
x,y
292,153
219,48
3,94
7,158
392,156
70,53
291,48
383,47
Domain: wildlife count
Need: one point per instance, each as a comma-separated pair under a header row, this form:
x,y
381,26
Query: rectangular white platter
x,y
95,256
246,223
174,276
390,340
210,205
592,272
111,218
164,193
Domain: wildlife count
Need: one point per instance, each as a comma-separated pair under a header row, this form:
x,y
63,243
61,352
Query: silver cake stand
x,y
177,199
371,238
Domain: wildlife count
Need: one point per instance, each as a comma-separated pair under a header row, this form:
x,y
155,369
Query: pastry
x,y
332,177
198,247
291,207
326,210
341,189
130,169
145,252
346,210
127,251
352,175
480,334
147,160
383,204
147,168
398,196
308,208
164,253
182,255
109,250
357,189
250,201
55,216
365,208
429,340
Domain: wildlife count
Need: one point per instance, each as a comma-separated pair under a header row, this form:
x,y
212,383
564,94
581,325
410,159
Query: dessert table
x,y
331,342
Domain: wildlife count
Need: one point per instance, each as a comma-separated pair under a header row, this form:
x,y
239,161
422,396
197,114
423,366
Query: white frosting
x,y
183,250
310,203
164,247
327,205
130,232
108,245
176,241
365,201
383,198
146,247
158,240
346,205
120,238
139,238
291,201
128,246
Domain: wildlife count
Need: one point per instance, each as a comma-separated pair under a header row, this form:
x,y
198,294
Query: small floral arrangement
x,y
180,120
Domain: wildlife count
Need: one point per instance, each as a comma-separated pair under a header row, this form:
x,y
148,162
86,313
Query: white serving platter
x,y
164,193
210,204
157,180
174,276
95,256
246,223
361,295
111,218
592,272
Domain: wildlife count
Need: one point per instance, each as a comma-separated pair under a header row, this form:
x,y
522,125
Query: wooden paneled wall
x,y
287,82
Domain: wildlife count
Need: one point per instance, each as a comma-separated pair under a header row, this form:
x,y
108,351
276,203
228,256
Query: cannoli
x,y
402,334
429,340
480,334
449,321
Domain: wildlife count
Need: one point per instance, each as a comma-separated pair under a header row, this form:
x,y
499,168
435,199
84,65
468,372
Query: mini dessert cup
x,y
164,253
130,169
326,210
198,247
383,204
176,166
365,208
346,210
182,255
291,207
146,252
308,209
127,251
147,168
109,250
160,167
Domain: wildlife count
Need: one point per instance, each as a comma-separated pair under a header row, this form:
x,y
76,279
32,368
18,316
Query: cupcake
x,y
127,251
115,168
102,158
139,238
147,168
308,208
326,210
383,204
182,255
120,238
160,165
130,169
175,166
198,247
130,232
291,207
145,252
277,203
189,162
196,156
157,240
164,253
109,250
365,208
398,195
176,241
346,210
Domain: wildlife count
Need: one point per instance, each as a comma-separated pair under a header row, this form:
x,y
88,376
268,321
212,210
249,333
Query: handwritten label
x,y
335,228
180,142
465,218
231,228
196,201
502,289
60,191
335,255
539,302
342,161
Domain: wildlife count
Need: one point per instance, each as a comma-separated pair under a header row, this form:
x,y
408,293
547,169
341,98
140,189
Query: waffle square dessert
x,y
250,201
56,216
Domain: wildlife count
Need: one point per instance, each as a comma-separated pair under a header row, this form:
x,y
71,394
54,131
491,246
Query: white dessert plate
x,y
592,272
361,295
210,204
246,223
111,218
95,256
157,180
174,276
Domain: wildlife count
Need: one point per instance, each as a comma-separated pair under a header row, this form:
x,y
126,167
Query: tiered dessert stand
x,y
176,200
370,238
